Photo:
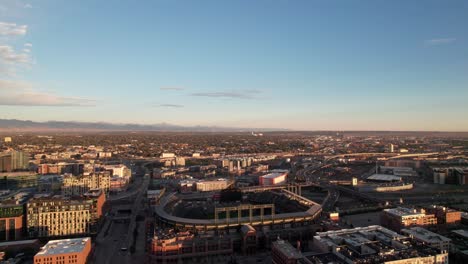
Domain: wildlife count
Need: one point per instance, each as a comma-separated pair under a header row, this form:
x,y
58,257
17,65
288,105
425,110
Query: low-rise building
x,y
428,238
18,180
64,251
275,177
168,246
376,244
284,253
444,214
208,186
401,217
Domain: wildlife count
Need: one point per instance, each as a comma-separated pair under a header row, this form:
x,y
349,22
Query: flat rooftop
x,y
425,235
287,249
64,246
273,175
461,232
404,212
384,177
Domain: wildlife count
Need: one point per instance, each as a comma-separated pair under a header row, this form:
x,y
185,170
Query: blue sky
x,y
309,65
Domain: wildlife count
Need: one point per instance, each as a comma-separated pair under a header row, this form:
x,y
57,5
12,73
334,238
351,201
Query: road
x,y
115,239
109,250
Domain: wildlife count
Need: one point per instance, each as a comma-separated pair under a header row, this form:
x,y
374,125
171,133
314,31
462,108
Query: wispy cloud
x,y
12,29
22,93
11,60
172,88
28,6
242,94
170,105
439,41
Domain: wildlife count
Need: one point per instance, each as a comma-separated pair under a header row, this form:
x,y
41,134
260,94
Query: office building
x,y
56,216
376,244
64,251
400,217
428,238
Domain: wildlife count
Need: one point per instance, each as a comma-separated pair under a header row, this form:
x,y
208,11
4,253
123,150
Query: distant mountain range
x,y
11,125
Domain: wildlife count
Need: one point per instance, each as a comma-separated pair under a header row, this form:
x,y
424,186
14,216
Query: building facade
x,y
14,161
400,217
168,246
444,215
58,216
208,186
78,185
11,222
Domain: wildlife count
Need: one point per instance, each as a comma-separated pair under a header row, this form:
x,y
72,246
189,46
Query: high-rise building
x,y
64,251
55,216
13,161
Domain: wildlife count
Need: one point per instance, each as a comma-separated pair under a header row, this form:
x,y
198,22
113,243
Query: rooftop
x,y
461,232
63,246
404,212
383,177
425,235
372,244
287,249
273,175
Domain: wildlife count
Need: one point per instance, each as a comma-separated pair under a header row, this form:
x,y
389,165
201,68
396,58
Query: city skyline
x,y
306,65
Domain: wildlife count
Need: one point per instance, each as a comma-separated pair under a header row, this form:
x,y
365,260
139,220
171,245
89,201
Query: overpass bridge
x,y
384,154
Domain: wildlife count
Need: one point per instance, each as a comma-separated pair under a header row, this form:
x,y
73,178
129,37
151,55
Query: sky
x,y
297,64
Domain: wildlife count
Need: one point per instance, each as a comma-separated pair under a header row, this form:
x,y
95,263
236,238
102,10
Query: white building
x,y
275,177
